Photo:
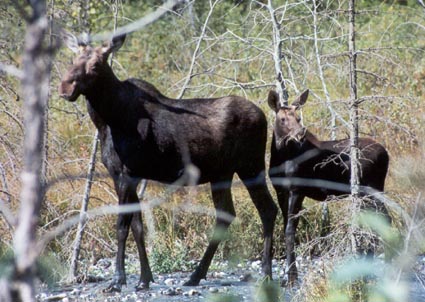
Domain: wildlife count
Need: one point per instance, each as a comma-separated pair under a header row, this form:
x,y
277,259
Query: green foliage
x,y
269,291
378,224
365,280
166,258
6,263
369,279
49,269
223,298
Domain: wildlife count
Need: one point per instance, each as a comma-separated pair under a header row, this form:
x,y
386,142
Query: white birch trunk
x,y
35,87
277,55
354,110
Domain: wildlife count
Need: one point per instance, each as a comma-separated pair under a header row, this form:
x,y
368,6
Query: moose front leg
x,y
119,279
145,270
124,187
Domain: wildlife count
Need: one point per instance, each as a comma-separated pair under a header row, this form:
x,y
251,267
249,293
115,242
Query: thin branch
x,y
195,52
7,214
139,24
12,70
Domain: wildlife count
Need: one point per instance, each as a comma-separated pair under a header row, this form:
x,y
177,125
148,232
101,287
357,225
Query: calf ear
x,y
273,100
300,101
113,45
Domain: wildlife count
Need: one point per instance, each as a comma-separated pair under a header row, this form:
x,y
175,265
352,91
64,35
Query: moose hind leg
x,y
267,210
225,214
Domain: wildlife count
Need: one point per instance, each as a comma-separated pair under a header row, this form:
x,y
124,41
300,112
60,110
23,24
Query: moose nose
x,y
62,92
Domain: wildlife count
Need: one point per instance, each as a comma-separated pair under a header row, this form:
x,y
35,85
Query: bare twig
x,y
195,52
139,24
12,70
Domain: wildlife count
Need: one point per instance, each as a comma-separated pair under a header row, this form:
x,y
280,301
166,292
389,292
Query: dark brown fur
x,y
144,134
298,154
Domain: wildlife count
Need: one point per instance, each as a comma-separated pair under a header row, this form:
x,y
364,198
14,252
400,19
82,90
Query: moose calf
x,y
316,169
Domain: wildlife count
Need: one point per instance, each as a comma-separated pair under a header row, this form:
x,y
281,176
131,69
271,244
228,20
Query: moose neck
x,y
312,140
108,100
292,148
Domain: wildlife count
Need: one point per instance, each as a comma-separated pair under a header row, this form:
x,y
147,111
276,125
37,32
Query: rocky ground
x,y
224,283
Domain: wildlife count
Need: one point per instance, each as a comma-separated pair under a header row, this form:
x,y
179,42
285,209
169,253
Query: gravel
x,y
224,282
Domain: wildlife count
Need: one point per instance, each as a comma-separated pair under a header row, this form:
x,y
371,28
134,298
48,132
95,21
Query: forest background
x,y
216,48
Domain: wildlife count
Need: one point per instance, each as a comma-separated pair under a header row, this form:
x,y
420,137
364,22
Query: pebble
x,y
169,281
219,275
213,290
256,264
190,293
169,292
247,277
58,297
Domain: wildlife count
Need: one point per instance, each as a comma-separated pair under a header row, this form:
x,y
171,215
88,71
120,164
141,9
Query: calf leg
x,y
225,213
283,199
294,207
267,210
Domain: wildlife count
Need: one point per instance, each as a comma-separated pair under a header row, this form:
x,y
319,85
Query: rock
x,y
190,293
58,297
256,264
219,275
170,292
169,281
213,290
103,263
247,277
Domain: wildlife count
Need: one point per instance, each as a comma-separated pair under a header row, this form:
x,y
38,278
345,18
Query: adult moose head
x,y
316,169
146,135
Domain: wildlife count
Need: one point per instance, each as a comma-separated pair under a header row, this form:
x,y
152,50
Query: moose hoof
x,y
113,288
142,286
289,283
191,282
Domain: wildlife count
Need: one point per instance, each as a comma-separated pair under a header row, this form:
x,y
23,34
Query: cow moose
x,y
297,154
146,135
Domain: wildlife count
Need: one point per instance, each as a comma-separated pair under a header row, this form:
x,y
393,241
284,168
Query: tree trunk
x,y
277,56
35,87
83,211
354,105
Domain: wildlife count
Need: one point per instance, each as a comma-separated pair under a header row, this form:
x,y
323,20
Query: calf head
x,y
288,123
89,66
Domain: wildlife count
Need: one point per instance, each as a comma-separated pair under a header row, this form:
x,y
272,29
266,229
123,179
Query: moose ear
x,y
113,45
76,44
273,100
300,101
70,41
